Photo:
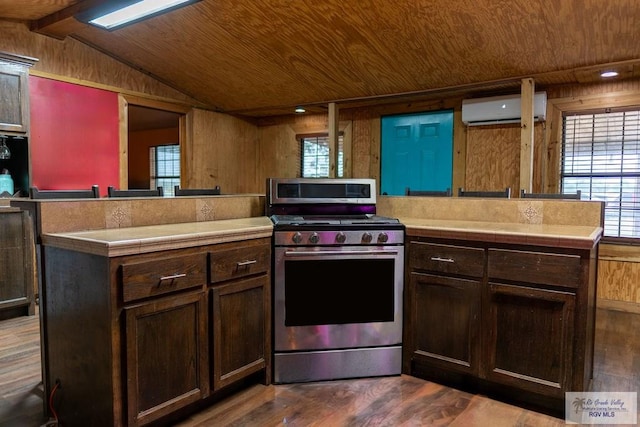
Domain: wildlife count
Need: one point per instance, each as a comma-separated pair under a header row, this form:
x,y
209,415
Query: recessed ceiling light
x,y
606,74
135,12
300,110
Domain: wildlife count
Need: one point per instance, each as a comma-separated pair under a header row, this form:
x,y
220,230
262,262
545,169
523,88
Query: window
x,y
165,167
601,158
315,156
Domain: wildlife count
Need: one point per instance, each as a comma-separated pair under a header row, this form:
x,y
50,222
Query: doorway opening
x,y
153,148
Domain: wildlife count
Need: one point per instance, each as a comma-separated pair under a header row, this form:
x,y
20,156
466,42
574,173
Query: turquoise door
x,y
416,152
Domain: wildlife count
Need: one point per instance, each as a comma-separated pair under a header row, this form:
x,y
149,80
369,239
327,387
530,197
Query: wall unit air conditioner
x,y
500,109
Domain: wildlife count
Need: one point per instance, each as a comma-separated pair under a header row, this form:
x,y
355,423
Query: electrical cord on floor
x,y
53,422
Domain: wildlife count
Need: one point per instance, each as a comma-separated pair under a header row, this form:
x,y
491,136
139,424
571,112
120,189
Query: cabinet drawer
x,y
162,275
239,262
448,259
535,267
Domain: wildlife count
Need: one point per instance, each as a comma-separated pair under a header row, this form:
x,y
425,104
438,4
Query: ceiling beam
x,y
63,23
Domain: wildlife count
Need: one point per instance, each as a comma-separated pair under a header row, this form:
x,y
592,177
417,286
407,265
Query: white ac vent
x,y
500,109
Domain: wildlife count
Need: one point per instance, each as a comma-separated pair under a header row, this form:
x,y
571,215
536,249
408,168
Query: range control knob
x,y
314,238
367,237
341,237
383,238
297,237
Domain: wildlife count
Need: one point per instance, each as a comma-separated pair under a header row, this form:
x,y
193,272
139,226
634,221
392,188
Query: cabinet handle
x,y
245,263
173,276
437,258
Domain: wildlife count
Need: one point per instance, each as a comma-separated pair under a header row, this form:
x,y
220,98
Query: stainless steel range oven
x,y
338,281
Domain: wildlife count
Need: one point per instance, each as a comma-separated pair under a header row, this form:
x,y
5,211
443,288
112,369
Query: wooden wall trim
x,y
626,306
376,147
596,101
526,135
143,99
620,253
333,125
347,147
123,112
185,141
459,151
556,107
158,104
550,164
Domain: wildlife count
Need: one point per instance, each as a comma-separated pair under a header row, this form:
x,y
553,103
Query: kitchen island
x,y
145,322
69,215
500,296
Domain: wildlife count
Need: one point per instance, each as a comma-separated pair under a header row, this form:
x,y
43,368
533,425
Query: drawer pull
x,y
439,259
173,276
245,263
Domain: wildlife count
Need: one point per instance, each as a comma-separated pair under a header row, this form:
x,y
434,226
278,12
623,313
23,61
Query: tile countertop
x,y
563,236
136,240
5,208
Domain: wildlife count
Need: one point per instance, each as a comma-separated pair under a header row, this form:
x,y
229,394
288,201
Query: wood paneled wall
x,y
74,62
361,126
221,150
279,149
619,276
493,158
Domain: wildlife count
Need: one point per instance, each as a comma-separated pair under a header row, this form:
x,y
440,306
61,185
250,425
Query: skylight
x,y
135,12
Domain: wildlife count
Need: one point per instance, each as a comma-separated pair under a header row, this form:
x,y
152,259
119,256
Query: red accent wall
x,y
74,141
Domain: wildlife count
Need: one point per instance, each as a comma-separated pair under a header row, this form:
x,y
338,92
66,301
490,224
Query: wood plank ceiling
x,y
259,58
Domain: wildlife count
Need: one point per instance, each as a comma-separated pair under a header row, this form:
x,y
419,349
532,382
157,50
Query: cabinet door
x,y
14,108
16,263
445,322
166,354
240,316
529,338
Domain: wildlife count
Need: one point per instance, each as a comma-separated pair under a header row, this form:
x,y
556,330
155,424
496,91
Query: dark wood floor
x,y
388,401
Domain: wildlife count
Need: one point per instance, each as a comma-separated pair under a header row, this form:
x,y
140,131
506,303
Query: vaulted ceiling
x,y
259,58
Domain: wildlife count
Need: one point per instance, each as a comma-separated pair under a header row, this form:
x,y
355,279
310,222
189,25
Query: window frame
x,y
339,156
153,169
613,239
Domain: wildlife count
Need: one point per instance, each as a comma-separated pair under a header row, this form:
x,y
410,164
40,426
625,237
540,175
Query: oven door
x,y
337,297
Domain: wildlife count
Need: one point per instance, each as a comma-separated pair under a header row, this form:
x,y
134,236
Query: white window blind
x,y
601,158
315,157
165,167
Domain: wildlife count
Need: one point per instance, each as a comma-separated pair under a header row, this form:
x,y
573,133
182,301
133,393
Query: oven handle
x,y
307,253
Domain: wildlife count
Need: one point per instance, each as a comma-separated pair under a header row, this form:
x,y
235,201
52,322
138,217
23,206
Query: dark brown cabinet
x,y
152,334
14,108
239,326
165,333
240,312
531,318
166,355
444,298
529,338
17,257
514,320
